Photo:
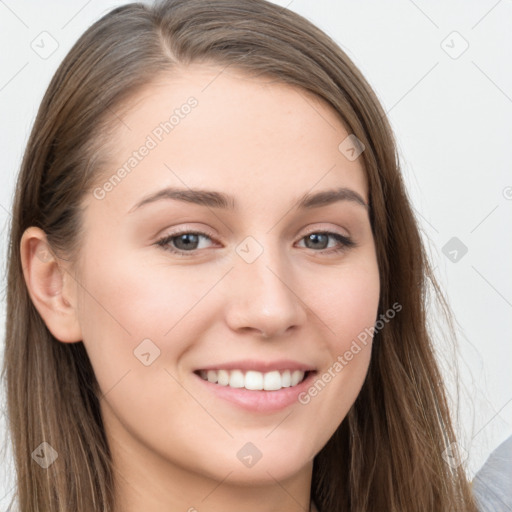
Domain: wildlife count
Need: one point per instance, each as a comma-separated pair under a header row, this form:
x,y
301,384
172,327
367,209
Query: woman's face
x,y
256,286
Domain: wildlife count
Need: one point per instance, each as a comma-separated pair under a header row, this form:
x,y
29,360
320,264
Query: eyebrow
x,y
214,199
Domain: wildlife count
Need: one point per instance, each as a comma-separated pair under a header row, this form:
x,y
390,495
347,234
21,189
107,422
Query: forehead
x,y
213,127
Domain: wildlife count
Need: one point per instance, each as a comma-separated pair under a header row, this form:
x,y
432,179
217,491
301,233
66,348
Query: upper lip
x,y
260,366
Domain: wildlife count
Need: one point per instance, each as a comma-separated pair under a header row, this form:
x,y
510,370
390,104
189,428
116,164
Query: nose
x,y
262,298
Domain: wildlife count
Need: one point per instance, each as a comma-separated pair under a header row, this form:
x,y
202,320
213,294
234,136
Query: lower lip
x,y
260,401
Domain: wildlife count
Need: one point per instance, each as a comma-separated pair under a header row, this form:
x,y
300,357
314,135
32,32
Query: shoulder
x,y
491,485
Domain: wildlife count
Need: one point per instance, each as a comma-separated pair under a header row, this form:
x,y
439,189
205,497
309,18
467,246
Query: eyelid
x,y
164,239
316,229
345,242
186,229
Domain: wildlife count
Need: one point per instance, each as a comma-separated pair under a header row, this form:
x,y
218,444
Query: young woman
x,y
216,286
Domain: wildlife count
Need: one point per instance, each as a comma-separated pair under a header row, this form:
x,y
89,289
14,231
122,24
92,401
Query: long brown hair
x,y
387,455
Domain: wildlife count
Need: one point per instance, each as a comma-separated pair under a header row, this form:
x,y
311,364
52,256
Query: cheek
x,y
129,308
125,302
135,297
347,303
347,306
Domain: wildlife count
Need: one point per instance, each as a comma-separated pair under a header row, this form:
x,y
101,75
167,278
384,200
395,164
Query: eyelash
x,y
346,242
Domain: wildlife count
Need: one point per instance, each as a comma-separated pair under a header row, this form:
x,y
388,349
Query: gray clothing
x,y
492,485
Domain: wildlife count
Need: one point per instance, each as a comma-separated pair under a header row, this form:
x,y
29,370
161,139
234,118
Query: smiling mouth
x,y
254,380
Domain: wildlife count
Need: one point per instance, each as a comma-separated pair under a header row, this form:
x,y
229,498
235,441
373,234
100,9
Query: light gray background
x,y
452,115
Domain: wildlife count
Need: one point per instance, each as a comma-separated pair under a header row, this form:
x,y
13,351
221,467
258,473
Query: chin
x,y
271,465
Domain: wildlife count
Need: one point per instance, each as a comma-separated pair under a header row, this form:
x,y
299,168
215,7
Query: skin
x,y
173,442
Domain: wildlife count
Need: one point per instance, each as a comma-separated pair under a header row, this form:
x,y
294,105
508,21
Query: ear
x,y
50,285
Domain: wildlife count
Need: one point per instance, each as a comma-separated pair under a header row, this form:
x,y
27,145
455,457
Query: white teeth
x,y
270,381
223,376
236,379
253,380
296,377
286,380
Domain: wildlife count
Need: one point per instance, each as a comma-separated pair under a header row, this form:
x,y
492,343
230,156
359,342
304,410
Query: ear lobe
x,y
47,281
